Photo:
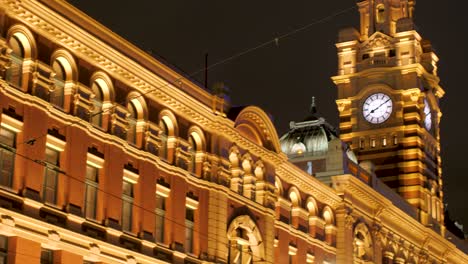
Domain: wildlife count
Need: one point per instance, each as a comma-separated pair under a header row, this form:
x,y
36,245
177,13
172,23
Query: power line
x,y
45,164
216,64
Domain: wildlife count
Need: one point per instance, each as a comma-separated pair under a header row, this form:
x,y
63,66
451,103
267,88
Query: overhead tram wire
x,y
223,61
42,163
275,40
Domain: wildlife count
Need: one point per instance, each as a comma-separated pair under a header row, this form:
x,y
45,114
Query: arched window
x,y
163,134
380,13
192,152
245,242
57,94
168,134
362,243
97,99
132,122
14,72
102,99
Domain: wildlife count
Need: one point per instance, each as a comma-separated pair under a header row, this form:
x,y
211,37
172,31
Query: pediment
x,y
377,40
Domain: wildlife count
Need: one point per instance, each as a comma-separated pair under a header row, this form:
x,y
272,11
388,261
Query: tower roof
x,y
309,137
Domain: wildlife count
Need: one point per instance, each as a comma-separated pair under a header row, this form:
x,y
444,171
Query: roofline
x,y
104,34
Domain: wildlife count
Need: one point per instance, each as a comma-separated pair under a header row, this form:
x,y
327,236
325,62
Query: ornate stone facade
x,y
109,156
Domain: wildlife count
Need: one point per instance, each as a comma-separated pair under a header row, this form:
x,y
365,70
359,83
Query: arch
x,y
100,80
295,196
252,236
198,137
170,121
328,216
254,124
312,206
137,101
67,62
380,13
25,38
363,242
279,186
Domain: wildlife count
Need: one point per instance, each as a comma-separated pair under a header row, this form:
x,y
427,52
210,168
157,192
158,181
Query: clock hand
x,y
373,110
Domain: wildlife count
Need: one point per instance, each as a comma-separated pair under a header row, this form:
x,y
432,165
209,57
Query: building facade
x,y
109,156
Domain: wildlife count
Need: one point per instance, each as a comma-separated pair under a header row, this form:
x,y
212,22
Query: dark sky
x,y
282,78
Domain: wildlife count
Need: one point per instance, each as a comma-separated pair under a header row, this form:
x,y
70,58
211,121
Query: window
x,y
384,141
309,167
127,205
96,113
192,149
49,192
380,13
3,249
163,134
15,71
7,156
189,224
47,256
132,121
160,217
91,190
57,94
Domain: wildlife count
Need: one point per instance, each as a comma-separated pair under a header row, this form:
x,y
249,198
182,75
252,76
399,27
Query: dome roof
x,y
309,137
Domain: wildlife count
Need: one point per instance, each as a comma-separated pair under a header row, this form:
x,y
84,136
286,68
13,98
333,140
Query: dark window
x,y
91,191
47,256
57,94
160,217
49,192
127,205
3,249
365,56
96,113
7,156
189,224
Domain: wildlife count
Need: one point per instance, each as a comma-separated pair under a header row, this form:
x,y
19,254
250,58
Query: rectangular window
x,y
7,156
91,190
309,167
47,256
160,217
189,223
3,249
384,141
127,205
49,192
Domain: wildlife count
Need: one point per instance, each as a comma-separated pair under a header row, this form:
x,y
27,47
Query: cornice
x,y
308,184
312,241
394,220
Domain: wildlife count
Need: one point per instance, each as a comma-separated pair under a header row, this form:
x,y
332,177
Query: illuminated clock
x,y
377,108
428,115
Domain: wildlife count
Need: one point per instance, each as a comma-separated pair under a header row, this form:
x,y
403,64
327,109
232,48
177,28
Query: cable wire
x,y
216,64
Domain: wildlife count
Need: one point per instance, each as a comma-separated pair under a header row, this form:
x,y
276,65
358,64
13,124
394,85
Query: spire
x,y
313,107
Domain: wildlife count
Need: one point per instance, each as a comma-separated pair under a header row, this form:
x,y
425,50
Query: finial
x,y
313,107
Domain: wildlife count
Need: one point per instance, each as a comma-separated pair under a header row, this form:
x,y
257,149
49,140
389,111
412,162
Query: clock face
x,y
377,108
428,115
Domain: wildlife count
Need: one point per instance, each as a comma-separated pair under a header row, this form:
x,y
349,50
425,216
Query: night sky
x,y
281,77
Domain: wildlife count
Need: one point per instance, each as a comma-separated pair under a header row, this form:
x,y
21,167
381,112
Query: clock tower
x,y
388,101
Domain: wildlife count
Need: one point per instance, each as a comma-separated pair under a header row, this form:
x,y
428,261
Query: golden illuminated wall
x,y
109,156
